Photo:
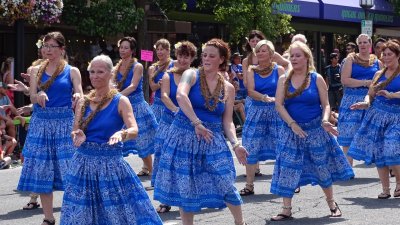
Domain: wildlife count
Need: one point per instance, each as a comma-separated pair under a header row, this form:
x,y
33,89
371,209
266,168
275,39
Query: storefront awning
x,y
300,8
350,11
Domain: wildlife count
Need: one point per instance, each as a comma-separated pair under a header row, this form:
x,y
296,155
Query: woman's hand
x,y
26,76
241,154
115,138
298,131
78,137
359,105
385,93
18,86
203,133
328,127
75,99
42,98
24,110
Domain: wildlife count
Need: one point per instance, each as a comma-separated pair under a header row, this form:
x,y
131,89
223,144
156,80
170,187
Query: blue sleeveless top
x,y
60,92
364,73
173,88
128,81
198,104
307,106
267,85
238,69
105,123
159,76
393,86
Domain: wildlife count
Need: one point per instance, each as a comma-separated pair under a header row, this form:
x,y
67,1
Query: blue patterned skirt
x,y
48,150
260,131
378,139
195,174
158,108
316,159
166,120
143,145
103,189
350,120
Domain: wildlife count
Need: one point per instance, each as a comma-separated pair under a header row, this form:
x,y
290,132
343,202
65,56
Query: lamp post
x,y
366,24
366,5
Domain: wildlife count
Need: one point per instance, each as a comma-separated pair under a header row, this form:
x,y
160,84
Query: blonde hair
x,y
270,46
307,52
364,35
299,37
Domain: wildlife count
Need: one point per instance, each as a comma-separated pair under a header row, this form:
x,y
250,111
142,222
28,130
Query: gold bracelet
x,y
196,122
237,144
290,123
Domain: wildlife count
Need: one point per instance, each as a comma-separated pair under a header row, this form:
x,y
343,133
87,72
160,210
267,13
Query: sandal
x,y
246,191
258,173
335,210
31,205
144,172
385,194
396,193
297,190
49,222
391,173
162,208
283,217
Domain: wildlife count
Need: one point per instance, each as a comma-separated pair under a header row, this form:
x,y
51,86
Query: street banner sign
x,y
366,27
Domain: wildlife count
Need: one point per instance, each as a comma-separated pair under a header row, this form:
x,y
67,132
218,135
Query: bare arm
x,y
33,84
165,91
137,75
154,86
77,83
346,79
126,111
280,60
229,127
182,95
245,67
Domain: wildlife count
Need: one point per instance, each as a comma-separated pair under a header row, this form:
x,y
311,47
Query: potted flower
x,y
46,11
13,10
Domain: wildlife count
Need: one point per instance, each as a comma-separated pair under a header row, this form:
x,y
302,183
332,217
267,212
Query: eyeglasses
x,y
50,46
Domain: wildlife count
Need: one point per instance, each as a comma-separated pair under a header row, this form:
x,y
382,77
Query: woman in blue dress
x,y
260,131
156,73
54,88
377,140
306,152
128,77
185,53
196,167
356,76
102,189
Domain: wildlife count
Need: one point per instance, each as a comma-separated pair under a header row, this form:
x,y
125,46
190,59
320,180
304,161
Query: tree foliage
x,y
241,16
102,17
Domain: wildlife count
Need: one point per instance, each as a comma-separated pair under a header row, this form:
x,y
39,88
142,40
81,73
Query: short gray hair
x,y
105,59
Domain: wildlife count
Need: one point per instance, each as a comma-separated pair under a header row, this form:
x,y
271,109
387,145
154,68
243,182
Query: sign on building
x,y
366,27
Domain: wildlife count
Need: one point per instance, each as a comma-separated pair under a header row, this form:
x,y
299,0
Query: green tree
x,y
241,16
102,17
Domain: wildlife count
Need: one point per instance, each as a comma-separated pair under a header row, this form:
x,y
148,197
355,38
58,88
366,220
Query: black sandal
x,y
284,217
385,194
246,191
297,190
31,205
335,210
258,173
49,222
166,208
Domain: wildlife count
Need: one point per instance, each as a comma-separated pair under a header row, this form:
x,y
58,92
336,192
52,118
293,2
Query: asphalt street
x,y
357,199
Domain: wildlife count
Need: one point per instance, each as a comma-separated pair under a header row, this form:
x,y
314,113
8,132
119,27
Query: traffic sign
x,y
366,27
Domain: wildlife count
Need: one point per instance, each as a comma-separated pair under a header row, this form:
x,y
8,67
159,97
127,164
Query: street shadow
x,y
364,166
357,181
374,203
242,177
259,198
19,213
309,221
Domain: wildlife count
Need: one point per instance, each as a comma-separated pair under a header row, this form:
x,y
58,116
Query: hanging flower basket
x,y
46,12
13,10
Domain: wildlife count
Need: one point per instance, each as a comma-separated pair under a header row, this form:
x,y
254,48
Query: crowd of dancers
x,y
76,143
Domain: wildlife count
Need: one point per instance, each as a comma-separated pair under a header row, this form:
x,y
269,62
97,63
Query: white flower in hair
x,y
39,43
177,45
